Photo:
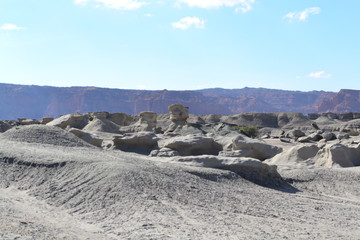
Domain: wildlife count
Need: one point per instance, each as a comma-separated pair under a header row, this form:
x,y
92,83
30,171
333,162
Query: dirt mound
x,y
116,195
43,134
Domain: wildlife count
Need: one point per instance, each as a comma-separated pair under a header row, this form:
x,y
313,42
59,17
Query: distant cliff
x,y
39,101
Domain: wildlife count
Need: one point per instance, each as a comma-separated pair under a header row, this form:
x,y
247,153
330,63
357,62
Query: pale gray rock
x,y
193,145
178,113
164,152
296,154
140,142
313,137
338,155
121,119
249,168
146,123
328,136
23,121
296,133
99,114
46,120
42,134
321,143
236,153
259,149
74,120
277,133
342,136
178,116
101,125
87,137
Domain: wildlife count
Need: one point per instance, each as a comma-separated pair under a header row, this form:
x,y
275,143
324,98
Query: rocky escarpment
x,y
42,101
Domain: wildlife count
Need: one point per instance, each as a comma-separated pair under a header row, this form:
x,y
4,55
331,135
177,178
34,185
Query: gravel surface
x,y
63,190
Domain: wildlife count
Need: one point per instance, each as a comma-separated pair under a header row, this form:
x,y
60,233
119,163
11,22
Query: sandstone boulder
x,y
74,120
146,123
140,142
338,155
178,113
24,121
295,133
101,125
328,136
46,120
164,152
296,154
178,116
249,168
121,119
87,137
236,153
313,137
258,149
193,145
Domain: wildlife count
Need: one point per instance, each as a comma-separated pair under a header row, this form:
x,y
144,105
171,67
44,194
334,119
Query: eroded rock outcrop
x,y
141,142
87,137
254,148
249,168
338,155
74,120
178,116
297,154
193,145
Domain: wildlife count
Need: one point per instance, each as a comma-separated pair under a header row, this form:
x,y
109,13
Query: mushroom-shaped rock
x,y
87,137
178,116
258,149
146,123
74,120
193,145
178,113
141,142
148,120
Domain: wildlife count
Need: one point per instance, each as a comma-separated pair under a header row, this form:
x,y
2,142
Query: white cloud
x,y
9,26
240,5
320,74
115,4
148,15
303,15
187,22
141,87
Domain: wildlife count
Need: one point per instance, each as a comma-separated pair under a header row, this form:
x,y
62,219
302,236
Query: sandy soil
x,y
64,192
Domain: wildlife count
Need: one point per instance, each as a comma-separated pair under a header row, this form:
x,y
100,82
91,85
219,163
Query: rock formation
x,y
178,116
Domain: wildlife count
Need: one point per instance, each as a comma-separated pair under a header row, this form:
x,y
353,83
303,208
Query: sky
x,y
181,44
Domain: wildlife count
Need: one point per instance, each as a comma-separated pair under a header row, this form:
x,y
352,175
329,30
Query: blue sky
x,y
181,44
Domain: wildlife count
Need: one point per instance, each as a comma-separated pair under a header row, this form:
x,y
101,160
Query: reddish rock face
x,y
344,101
35,102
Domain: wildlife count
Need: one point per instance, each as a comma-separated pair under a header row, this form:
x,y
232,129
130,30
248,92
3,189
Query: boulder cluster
x,y
284,138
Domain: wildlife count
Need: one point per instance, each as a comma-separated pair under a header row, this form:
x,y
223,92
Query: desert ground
x,y
56,185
